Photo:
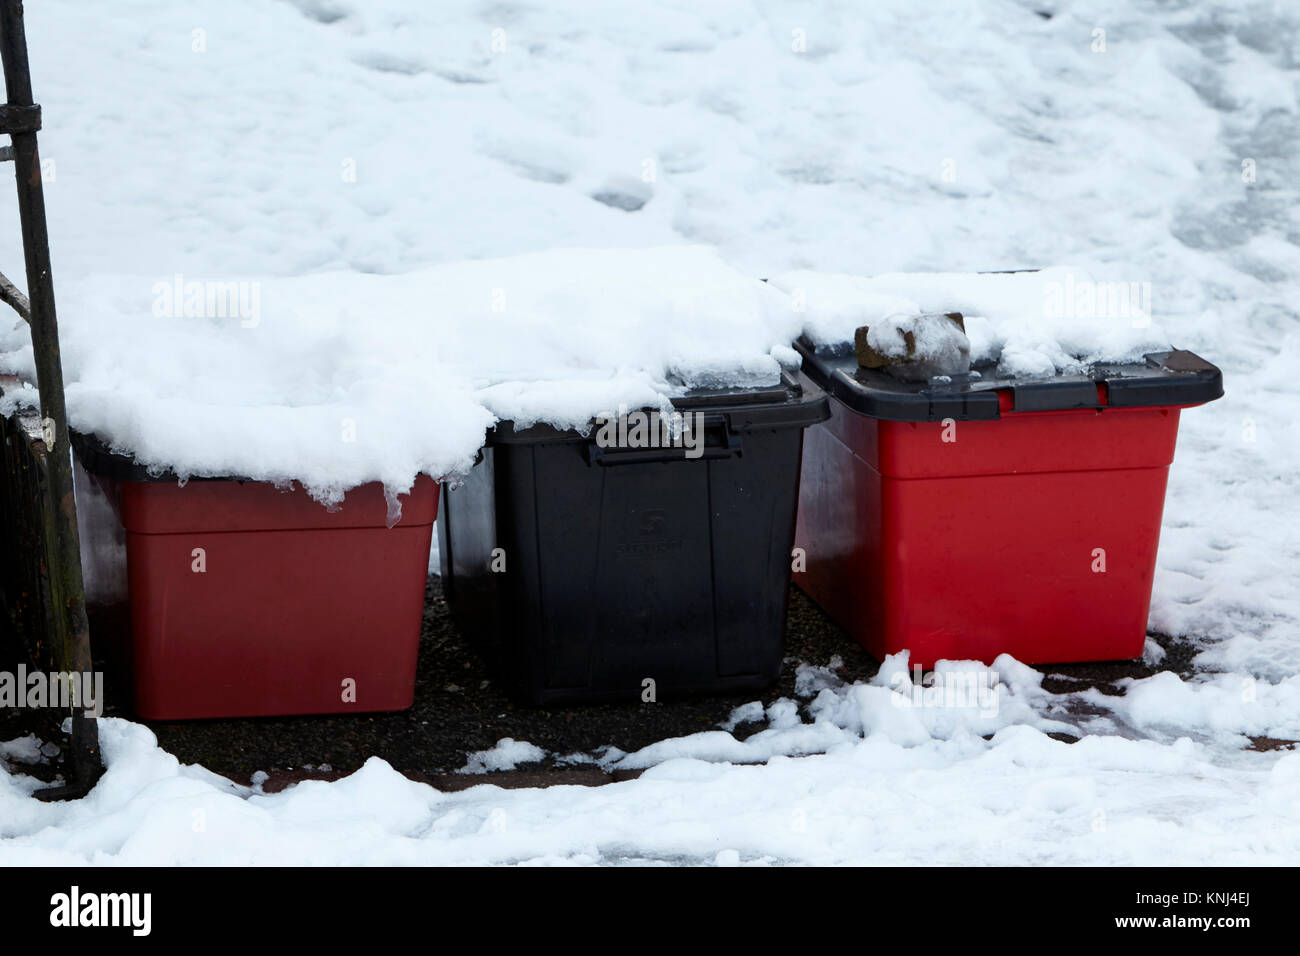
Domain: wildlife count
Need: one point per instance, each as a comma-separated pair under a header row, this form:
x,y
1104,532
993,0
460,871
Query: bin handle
x,y
598,455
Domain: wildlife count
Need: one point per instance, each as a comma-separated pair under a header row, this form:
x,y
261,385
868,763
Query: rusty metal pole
x,y
20,117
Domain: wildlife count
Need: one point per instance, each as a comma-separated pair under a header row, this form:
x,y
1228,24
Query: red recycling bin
x,y
965,519
247,601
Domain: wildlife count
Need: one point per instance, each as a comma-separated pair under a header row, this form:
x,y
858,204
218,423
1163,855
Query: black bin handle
x,y
598,455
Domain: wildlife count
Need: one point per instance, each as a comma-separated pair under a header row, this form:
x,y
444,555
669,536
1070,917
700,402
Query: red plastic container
x,y
247,601
996,523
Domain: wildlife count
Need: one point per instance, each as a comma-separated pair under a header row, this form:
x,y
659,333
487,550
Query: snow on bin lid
x,y
794,401
334,380
1030,324
1176,377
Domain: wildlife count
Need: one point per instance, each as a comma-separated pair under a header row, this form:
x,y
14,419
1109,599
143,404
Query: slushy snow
x,y
870,780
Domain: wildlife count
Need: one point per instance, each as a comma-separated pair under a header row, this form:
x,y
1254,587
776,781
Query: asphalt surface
x,y
460,708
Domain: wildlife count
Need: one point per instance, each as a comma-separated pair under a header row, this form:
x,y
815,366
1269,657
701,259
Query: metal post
x,y
70,640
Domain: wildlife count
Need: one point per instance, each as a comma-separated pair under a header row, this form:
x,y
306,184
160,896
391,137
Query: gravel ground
x,y
459,708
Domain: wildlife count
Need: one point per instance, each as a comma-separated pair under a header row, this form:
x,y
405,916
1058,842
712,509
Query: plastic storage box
x,y
248,601
589,572
983,516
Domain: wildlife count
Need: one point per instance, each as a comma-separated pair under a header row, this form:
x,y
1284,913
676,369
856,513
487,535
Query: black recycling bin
x,y
587,572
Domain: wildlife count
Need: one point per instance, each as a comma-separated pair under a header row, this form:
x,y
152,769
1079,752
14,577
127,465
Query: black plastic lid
x,y
794,402
1167,378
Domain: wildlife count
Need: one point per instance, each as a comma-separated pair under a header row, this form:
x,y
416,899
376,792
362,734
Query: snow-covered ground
x,y
345,155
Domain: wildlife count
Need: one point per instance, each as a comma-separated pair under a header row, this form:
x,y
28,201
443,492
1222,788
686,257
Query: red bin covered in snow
x,y
248,601
964,519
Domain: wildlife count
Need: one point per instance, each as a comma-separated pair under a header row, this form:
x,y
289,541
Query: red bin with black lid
x,y
976,516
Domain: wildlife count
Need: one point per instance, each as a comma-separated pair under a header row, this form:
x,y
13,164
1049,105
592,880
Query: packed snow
x,y
506,755
390,187
335,379
1028,324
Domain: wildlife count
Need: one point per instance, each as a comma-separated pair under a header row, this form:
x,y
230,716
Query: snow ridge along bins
x,y
247,601
584,571
985,516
